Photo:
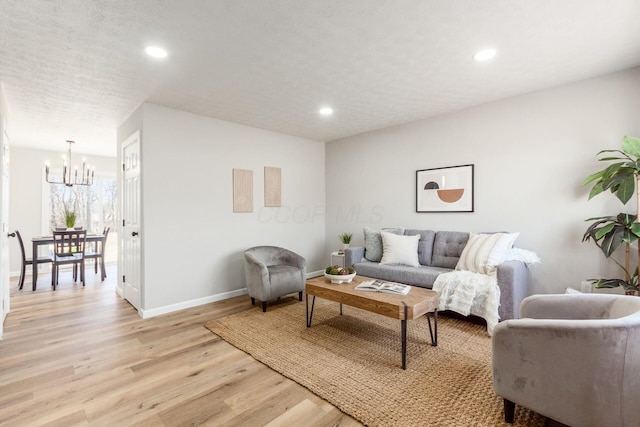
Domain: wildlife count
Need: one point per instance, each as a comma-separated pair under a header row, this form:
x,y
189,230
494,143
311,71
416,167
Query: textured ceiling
x,y
75,69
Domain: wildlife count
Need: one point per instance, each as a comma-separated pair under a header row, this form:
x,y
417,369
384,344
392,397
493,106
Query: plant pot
x,y
345,246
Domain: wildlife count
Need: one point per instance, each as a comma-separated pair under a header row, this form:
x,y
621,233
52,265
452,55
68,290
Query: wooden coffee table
x,y
416,303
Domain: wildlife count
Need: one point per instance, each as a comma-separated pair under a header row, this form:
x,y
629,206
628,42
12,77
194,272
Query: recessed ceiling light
x,y
484,55
156,52
326,111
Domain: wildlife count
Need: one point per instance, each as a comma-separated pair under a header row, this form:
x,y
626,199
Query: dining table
x,y
38,241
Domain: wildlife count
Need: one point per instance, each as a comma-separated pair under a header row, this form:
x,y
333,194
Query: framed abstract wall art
x,y
448,189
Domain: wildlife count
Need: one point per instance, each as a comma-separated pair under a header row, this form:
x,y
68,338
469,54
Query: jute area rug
x,y
354,362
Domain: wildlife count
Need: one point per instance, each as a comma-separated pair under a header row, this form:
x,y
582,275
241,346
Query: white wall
x,y
5,303
26,186
531,154
193,242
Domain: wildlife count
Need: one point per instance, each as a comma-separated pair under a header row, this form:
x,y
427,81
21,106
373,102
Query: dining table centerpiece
x,y
69,217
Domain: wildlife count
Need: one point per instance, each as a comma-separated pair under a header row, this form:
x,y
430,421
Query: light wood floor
x,y
82,356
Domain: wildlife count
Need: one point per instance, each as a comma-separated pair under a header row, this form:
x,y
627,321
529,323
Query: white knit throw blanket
x,y
470,293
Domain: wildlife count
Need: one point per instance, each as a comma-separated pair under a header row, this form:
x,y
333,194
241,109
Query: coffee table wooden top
x,y
419,301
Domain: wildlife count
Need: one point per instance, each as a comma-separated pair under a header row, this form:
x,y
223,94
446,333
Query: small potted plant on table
x,y
345,238
69,218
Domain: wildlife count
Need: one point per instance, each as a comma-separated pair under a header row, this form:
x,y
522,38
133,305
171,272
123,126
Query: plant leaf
x,y
601,232
603,218
593,177
626,189
631,146
610,283
608,159
597,189
628,236
613,151
610,243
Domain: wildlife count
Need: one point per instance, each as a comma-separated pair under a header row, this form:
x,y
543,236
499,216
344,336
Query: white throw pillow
x,y
400,249
484,252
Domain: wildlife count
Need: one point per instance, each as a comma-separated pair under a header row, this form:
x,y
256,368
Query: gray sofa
x,y
439,252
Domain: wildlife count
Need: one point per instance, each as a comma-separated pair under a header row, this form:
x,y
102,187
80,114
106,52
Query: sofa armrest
x,y
540,364
296,260
513,281
353,256
569,307
256,276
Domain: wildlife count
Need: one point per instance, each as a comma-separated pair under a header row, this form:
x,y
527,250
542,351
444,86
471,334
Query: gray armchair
x,y
572,358
272,272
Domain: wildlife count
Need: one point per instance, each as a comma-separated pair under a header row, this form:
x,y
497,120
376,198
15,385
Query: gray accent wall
x,y
531,154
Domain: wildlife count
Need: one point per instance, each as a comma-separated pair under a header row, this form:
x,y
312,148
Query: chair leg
x,y
95,265
253,301
264,306
509,411
300,296
82,272
54,276
104,272
22,272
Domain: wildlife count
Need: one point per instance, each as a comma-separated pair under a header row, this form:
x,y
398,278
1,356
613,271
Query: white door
x,y
4,226
131,239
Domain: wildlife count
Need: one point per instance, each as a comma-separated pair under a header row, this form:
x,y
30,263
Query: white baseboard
x,y
313,274
145,314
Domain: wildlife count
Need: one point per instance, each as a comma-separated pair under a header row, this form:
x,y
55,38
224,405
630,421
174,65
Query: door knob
x,y
134,233
11,234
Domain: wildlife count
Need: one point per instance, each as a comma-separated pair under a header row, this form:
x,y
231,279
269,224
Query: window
x,y
95,207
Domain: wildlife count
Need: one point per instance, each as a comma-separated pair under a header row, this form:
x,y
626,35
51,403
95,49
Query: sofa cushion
x,y
447,248
416,276
373,242
400,249
425,245
484,252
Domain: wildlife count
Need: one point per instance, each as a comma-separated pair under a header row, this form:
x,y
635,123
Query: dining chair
x,y
68,248
27,261
97,254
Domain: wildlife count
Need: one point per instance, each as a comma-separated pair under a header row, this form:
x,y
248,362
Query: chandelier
x,y
69,179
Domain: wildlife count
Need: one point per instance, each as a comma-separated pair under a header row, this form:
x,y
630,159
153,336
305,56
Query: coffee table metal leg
x,y
403,327
434,336
340,309
310,314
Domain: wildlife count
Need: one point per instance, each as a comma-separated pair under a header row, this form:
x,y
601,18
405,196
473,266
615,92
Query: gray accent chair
x,y
572,358
272,272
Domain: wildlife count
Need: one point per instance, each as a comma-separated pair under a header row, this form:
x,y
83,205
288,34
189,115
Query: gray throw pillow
x,y
373,242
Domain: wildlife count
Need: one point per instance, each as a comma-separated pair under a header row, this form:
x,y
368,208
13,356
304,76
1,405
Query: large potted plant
x,y
621,178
